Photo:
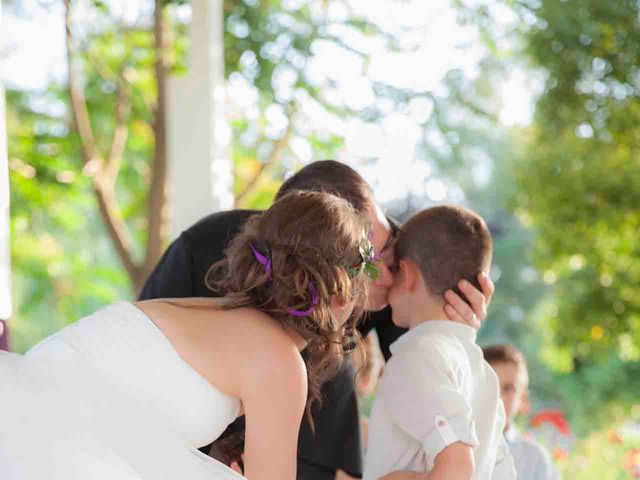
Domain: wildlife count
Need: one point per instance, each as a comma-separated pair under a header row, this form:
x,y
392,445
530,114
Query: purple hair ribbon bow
x,y
315,299
262,259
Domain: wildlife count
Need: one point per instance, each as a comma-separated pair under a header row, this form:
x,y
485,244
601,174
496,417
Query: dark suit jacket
x,y
336,442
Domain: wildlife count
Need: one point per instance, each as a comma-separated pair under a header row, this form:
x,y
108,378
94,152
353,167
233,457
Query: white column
x,y
5,260
200,167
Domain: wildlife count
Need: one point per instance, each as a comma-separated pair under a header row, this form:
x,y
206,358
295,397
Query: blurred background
x,y
127,121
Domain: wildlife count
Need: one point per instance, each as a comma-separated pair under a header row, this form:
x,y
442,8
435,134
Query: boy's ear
x,y
407,275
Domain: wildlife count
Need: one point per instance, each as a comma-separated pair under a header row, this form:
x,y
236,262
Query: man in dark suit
x,y
334,449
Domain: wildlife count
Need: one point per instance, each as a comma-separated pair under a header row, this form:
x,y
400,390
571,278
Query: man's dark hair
x,y
331,177
448,243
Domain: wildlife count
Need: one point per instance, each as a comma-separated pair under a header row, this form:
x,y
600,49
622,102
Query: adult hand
x,y
398,475
341,475
459,311
235,466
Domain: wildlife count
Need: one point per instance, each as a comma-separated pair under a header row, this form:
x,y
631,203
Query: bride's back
x,y
219,344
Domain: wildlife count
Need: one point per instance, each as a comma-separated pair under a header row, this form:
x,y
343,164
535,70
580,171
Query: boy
x,y
532,461
438,408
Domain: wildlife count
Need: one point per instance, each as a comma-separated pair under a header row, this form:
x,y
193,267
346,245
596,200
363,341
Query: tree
x,y
103,168
580,178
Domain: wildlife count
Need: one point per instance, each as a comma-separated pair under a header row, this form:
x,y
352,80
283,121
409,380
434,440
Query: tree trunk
x,y
103,167
157,227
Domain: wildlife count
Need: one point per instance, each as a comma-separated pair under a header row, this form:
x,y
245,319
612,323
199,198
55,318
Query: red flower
x,y
555,418
631,460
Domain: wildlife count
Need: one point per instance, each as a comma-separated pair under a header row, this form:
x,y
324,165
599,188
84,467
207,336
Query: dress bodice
x,y
122,344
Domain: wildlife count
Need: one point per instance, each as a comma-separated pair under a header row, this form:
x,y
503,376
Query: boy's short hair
x,y
448,243
507,354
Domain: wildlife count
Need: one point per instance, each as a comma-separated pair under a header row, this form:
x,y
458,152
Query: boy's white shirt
x,y
437,390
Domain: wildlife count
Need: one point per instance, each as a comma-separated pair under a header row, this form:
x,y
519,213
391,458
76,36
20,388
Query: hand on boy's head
x,y
474,312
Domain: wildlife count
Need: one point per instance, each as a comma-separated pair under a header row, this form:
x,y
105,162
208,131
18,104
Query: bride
x,y
132,391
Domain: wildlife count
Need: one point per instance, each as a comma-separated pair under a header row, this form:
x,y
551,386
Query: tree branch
x,y
157,193
94,163
116,226
121,130
81,118
278,147
98,64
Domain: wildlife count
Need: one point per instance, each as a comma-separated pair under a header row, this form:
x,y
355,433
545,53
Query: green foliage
x,y
271,45
580,178
570,201
611,453
577,186
57,279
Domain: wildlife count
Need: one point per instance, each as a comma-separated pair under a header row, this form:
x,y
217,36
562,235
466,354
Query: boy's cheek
x,y
511,404
393,293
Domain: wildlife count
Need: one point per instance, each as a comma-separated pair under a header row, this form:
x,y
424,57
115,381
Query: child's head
x,y
434,250
511,368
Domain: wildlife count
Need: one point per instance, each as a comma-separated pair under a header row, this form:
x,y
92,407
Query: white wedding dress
x,y
108,398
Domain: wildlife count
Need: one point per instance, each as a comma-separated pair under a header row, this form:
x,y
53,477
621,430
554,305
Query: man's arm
x,y
173,276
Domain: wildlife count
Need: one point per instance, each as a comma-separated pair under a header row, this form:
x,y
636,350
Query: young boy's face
x,y
513,387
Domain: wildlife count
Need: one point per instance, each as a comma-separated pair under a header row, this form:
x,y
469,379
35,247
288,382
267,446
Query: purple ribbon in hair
x,y
315,297
262,259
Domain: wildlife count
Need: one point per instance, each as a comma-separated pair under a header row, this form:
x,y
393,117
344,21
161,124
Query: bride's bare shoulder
x,y
189,302
206,318
255,324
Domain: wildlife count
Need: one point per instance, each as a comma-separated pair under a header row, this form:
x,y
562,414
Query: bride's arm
x,y
274,393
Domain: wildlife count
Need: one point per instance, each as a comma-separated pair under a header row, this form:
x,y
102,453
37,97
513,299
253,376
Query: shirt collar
x,y
447,327
512,434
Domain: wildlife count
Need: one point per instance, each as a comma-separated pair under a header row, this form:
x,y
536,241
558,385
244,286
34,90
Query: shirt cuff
x,y
447,431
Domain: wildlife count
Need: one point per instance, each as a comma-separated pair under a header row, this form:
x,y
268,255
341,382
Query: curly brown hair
x,y
313,240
